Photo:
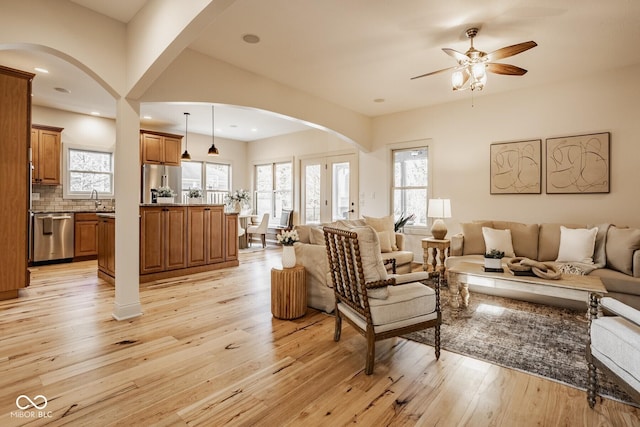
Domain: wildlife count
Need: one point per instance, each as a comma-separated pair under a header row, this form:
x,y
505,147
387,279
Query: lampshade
x,y
186,155
439,208
213,151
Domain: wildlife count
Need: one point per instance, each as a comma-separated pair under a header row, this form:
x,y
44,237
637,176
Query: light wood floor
x,y
208,352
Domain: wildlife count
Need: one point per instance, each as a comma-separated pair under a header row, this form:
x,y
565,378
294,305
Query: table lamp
x,y
439,209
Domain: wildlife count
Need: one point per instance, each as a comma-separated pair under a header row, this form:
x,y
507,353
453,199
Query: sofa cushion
x,y
372,266
614,341
499,240
473,240
549,240
524,237
577,245
384,237
382,224
405,301
401,257
621,243
304,232
316,236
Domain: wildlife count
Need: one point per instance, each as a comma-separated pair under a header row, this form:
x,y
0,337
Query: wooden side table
x,y
288,292
435,245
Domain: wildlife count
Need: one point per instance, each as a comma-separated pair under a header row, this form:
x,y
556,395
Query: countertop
x,y
74,211
106,215
146,205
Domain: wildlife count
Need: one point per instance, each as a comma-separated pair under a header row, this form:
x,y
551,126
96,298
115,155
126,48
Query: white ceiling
x,y
354,53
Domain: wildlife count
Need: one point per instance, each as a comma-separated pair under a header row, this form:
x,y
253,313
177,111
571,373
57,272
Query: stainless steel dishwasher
x,y
52,236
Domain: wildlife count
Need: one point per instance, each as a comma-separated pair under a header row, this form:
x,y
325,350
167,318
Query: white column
x,y
127,189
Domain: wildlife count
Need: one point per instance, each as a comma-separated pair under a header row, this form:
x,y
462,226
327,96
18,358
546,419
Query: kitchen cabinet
x,y
159,148
162,238
86,235
15,126
45,153
178,240
205,234
231,237
107,248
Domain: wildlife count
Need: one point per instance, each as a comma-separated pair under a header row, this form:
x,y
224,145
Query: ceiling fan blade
x,y
433,72
460,57
508,51
509,70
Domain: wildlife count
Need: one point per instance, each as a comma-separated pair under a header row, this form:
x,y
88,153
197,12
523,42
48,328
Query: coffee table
x,y
569,286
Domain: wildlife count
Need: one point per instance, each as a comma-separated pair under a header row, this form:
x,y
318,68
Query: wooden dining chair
x,y
378,305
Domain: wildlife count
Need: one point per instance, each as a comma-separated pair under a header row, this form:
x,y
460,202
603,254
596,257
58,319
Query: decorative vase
x,y
493,263
165,200
288,256
234,207
195,200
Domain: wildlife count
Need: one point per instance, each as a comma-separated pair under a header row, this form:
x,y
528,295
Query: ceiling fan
x,y
470,73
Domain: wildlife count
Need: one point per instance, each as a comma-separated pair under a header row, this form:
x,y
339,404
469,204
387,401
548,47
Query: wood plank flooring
x,y
207,352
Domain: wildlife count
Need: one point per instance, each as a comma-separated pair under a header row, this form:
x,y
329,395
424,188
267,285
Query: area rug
x,y
541,340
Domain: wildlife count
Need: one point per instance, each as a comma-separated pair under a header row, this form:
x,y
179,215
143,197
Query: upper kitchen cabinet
x,y
158,148
45,152
15,125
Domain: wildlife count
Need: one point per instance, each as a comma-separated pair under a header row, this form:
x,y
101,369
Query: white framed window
x,y
87,169
214,179
273,189
410,187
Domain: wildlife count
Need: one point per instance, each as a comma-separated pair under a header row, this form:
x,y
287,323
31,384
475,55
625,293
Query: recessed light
x,y
41,70
61,89
147,117
95,113
378,100
254,130
251,38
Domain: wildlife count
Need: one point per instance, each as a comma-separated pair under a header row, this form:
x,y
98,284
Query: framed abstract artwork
x,y
516,167
578,164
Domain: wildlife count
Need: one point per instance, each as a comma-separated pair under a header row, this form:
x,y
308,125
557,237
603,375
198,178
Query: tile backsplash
x,y
51,200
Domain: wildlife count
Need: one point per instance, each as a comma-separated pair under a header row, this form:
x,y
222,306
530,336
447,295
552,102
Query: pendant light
x,y
186,155
213,151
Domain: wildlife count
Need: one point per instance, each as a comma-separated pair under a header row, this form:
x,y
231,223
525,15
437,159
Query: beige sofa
x,y
616,255
312,254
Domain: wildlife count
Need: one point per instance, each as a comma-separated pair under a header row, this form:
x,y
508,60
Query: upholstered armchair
x,y
260,229
614,348
377,305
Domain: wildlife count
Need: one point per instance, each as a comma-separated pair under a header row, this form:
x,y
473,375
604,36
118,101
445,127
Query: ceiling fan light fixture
x,y
457,80
186,155
473,65
478,70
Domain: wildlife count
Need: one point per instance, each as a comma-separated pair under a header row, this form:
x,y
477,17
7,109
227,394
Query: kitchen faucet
x,y
97,202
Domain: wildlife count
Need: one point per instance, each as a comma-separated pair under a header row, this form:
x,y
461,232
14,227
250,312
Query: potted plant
x,y
194,196
236,199
165,195
493,259
402,221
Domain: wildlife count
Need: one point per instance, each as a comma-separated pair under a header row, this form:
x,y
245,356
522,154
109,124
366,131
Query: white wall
x,y
461,136
79,129
231,151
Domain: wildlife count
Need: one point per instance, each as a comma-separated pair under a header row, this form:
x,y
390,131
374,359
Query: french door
x,y
329,188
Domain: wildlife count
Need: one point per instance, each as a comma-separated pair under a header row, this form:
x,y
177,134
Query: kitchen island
x,y
175,240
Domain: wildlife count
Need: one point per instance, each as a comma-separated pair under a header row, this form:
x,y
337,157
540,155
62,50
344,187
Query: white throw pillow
x,y
577,244
498,239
